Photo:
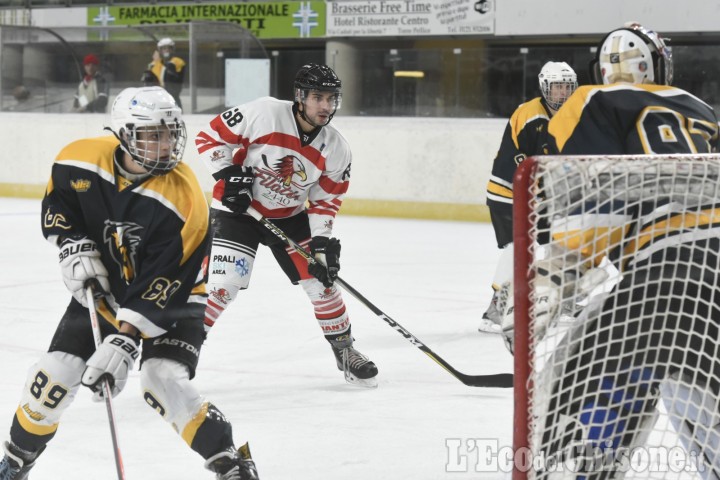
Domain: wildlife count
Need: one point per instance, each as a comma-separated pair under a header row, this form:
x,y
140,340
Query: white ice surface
x,y
267,367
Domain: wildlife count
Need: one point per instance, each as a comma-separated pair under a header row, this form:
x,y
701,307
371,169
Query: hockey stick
x,y
107,392
500,380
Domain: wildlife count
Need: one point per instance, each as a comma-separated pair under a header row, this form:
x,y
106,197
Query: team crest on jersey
x,y
281,178
122,239
217,155
221,295
287,167
55,220
80,185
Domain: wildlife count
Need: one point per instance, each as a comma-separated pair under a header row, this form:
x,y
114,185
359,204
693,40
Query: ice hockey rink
x,y
267,367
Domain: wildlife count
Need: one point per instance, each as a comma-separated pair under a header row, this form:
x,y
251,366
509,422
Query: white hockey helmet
x,y
633,54
148,111
561,73
166,42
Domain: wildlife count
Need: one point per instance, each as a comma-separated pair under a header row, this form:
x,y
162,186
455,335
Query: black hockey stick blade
x,y
500,380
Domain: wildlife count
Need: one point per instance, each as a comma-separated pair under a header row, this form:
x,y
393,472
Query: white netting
x,y
624,317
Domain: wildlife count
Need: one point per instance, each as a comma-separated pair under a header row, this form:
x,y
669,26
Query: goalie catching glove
x,y
326,252
111,361
79,262
237,194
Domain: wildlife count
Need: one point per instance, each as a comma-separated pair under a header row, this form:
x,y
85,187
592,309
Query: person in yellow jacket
x,y
169,69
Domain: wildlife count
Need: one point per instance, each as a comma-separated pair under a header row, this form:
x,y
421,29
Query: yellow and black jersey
x,y
633,119
634,235
525,135
152,233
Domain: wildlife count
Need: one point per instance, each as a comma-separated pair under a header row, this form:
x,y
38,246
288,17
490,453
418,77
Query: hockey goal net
x,y
617,316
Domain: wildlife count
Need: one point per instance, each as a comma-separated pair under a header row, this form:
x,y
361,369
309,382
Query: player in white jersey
x,y
280,156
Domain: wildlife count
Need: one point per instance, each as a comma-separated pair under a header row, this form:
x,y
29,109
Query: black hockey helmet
x,y
320,78
317,77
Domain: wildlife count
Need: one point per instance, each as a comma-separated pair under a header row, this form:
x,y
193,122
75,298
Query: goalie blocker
x,y
634,246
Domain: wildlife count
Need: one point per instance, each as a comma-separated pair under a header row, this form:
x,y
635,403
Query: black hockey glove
x,y
238,187
327,252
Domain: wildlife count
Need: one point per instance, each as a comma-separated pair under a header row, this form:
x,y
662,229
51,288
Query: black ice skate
x,y
233,464
16,463
358,369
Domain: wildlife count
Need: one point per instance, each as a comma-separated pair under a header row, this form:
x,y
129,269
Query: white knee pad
x,y
50,388
329,307
167,388
230,266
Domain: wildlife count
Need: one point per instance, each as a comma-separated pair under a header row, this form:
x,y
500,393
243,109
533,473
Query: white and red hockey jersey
x,y
264,135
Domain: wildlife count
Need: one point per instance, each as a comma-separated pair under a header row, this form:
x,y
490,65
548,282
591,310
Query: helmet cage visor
x,y
156,148
556,92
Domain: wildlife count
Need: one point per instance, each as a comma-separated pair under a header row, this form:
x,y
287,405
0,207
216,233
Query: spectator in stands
x,y
168,69
92,93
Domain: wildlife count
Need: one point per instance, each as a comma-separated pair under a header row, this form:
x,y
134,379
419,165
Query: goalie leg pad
x,y
50,388
167,389
330,310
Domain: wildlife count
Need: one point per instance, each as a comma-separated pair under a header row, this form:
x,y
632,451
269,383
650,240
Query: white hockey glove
x,y
112,360
79,262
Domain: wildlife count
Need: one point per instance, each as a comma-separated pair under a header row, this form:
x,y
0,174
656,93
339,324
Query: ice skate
x,y
16,463
233,464
358,369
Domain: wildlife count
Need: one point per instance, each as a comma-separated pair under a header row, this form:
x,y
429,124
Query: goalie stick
x,y
500,380
107,393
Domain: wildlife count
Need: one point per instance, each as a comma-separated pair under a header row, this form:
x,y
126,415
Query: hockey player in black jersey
x,y
653,338
125,212
525,135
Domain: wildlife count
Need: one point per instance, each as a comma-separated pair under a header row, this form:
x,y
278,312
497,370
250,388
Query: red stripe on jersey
x,y
204,142
293,143
218,190
322,208
239,156
330,186
225,134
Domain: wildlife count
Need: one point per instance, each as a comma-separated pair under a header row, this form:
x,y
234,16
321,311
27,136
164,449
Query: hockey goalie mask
x,y
317,78
149,125
633,54
557,82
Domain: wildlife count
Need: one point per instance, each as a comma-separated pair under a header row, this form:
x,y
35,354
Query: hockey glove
x,y
112,360
327,255
237,194
79,262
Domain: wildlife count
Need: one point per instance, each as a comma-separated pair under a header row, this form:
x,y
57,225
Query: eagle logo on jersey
x,y
80,185
288,166
122,239
221,295
217,155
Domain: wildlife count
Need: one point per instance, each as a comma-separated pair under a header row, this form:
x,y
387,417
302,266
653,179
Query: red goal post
x,y
617,317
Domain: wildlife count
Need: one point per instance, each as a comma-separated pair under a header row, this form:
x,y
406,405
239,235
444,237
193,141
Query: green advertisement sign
x,y
290,19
